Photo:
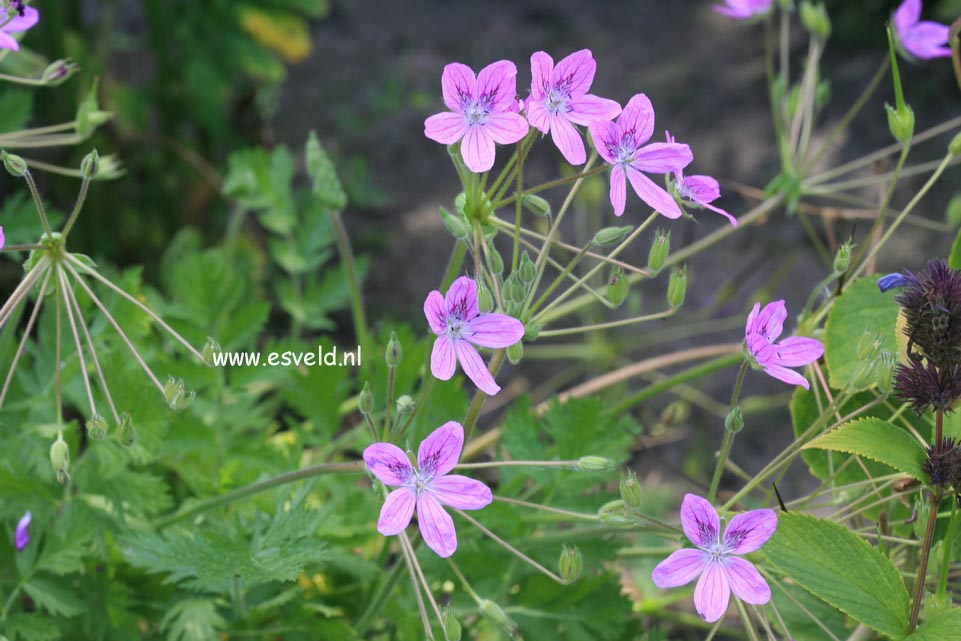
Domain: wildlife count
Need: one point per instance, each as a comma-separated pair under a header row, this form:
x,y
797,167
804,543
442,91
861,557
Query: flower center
x,y
556,101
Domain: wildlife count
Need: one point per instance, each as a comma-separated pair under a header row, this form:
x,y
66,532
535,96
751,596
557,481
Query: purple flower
x,y
620,144
762,329
699,190
717,559
26,17
920,38
3,239
743,9
21,536
559,100
428,487
459,326
483,110
897,280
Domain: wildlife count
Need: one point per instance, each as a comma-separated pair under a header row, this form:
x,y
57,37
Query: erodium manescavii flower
x,y
459,327
559,100
743,9
699,191
23,18
716,561
763,328
483,111
921,39
622,145
21,535
426,488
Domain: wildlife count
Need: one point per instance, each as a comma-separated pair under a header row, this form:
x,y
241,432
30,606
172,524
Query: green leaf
x,y
193,620
21,626
327,187
861,308
943,627
954,258
53,597
16,105
840,568
877,440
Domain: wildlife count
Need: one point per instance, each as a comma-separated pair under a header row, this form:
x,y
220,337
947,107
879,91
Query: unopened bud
x,y
211,347
514,290
526,271
515,352
659,251
60,459
452,628
571,564
460,205
901,123
532,331
868,345
677,287
176,395
611,235
97,427
457,226
485,300
493,613
126,432
675,412
864,374
365,402
734,421
953,213
90,165
618,286
405,404
842,259
630,490
955,145
58,72
394,353
815,19
14,164
595,464
885,371
494,260
536,205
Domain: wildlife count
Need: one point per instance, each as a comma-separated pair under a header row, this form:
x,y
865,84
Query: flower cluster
x,y
943,464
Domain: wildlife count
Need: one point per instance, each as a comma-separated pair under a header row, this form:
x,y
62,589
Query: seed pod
x,y
405,404
365,402
660,248
536,205
493,613
176,395
494,260
126,432
97,427
815,19
901,123
526,271
595,464
394,353
630,490
485,300
571,564
14,164
677,287
734,421
60,459
90,165
457,226
617,287
842,259
452,628
611,235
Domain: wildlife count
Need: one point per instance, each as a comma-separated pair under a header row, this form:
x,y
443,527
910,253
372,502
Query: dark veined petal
x,y
712,593
388,463
475,368
439,452
494,330
457,83
436,526
655,196
680,568
461,492
700,521
747,532
397,511
443,358
746,582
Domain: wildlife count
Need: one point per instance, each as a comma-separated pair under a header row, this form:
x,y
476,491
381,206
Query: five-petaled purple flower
x,y
699,190
620,144
25,18
559,100
762,329
743,9
459,326
21,536
716,559
920,38
428,487
483,111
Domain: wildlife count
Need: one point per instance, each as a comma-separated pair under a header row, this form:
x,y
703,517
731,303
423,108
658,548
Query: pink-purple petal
x,y
457,84
477,149
663,157
700,189
908,13
435,309
538,116
680,568
718,210
8,42
388,463
927,40
588,108
494,330
439,452
751,326
436,526
497,85
568,139
798,350
461,492
748,531
506,128
618,190
29,18
606,135
396,512
461,298
21,535
700,521
786,375
770,322
475,368
638,116
763,350
542,68
712,593
655,196
443,358
446,127
576,71
746,582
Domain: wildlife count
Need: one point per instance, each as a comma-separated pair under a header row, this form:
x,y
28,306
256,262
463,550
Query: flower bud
x,y
532,331
126,432
884,374
452,629
630,490
571,564
485,300
97,427
675,412
868,345
526,271
595,464
953,213
58,72
514,289
734,421
611,235
659,251
394,353
901,123
842,259
677,287
618,287
493,613
515,352
864,374
458,227
60,459
176,395
405,404
955,145
90,165
536,205
365,402
211,347
494,260
815,19
14,164
460,205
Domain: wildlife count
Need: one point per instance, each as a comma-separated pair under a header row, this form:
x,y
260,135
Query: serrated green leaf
x,y
861,308
33,626
327,187
53,597
877,440
840,568
193,620
943,627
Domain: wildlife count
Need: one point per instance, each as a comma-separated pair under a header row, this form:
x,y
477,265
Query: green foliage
x,y
943,627
861,309
877,440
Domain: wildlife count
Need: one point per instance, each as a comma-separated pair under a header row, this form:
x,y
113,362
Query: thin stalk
x,y
405,543
727,440
610,325
38,203
421,608
500,464
23,341
21,291
946,548
93,354
58,388
547,508
81,197
376,604
510,548
925,554
521,157
390,402
353,283
560,277
776,115
587,173
64,291
428,387
884,206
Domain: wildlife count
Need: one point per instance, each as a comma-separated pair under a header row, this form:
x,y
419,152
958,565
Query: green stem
x,y
378,601
946,551
473,412
884,206
550,185
560,277
81,197
428,387
610,325
41,211
390,403
925,554
728,440
353,285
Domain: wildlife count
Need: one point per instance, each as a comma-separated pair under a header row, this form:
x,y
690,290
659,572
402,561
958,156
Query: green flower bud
x,y
514,290
955,145
659,251
611,235
493,613
457,226
58,72
734,421
365,402
864,374
532,331
452,629
460,205
571,564
677,287
485,300
675,412
536,205
901,123
595,464
868,345
953,214
14,164
90,165
618,286
211,347
405,404
176,395
526,271
394,353
515,352
126,432
630,490
842,259
885,371
494,260
60,459
815,19
97,427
